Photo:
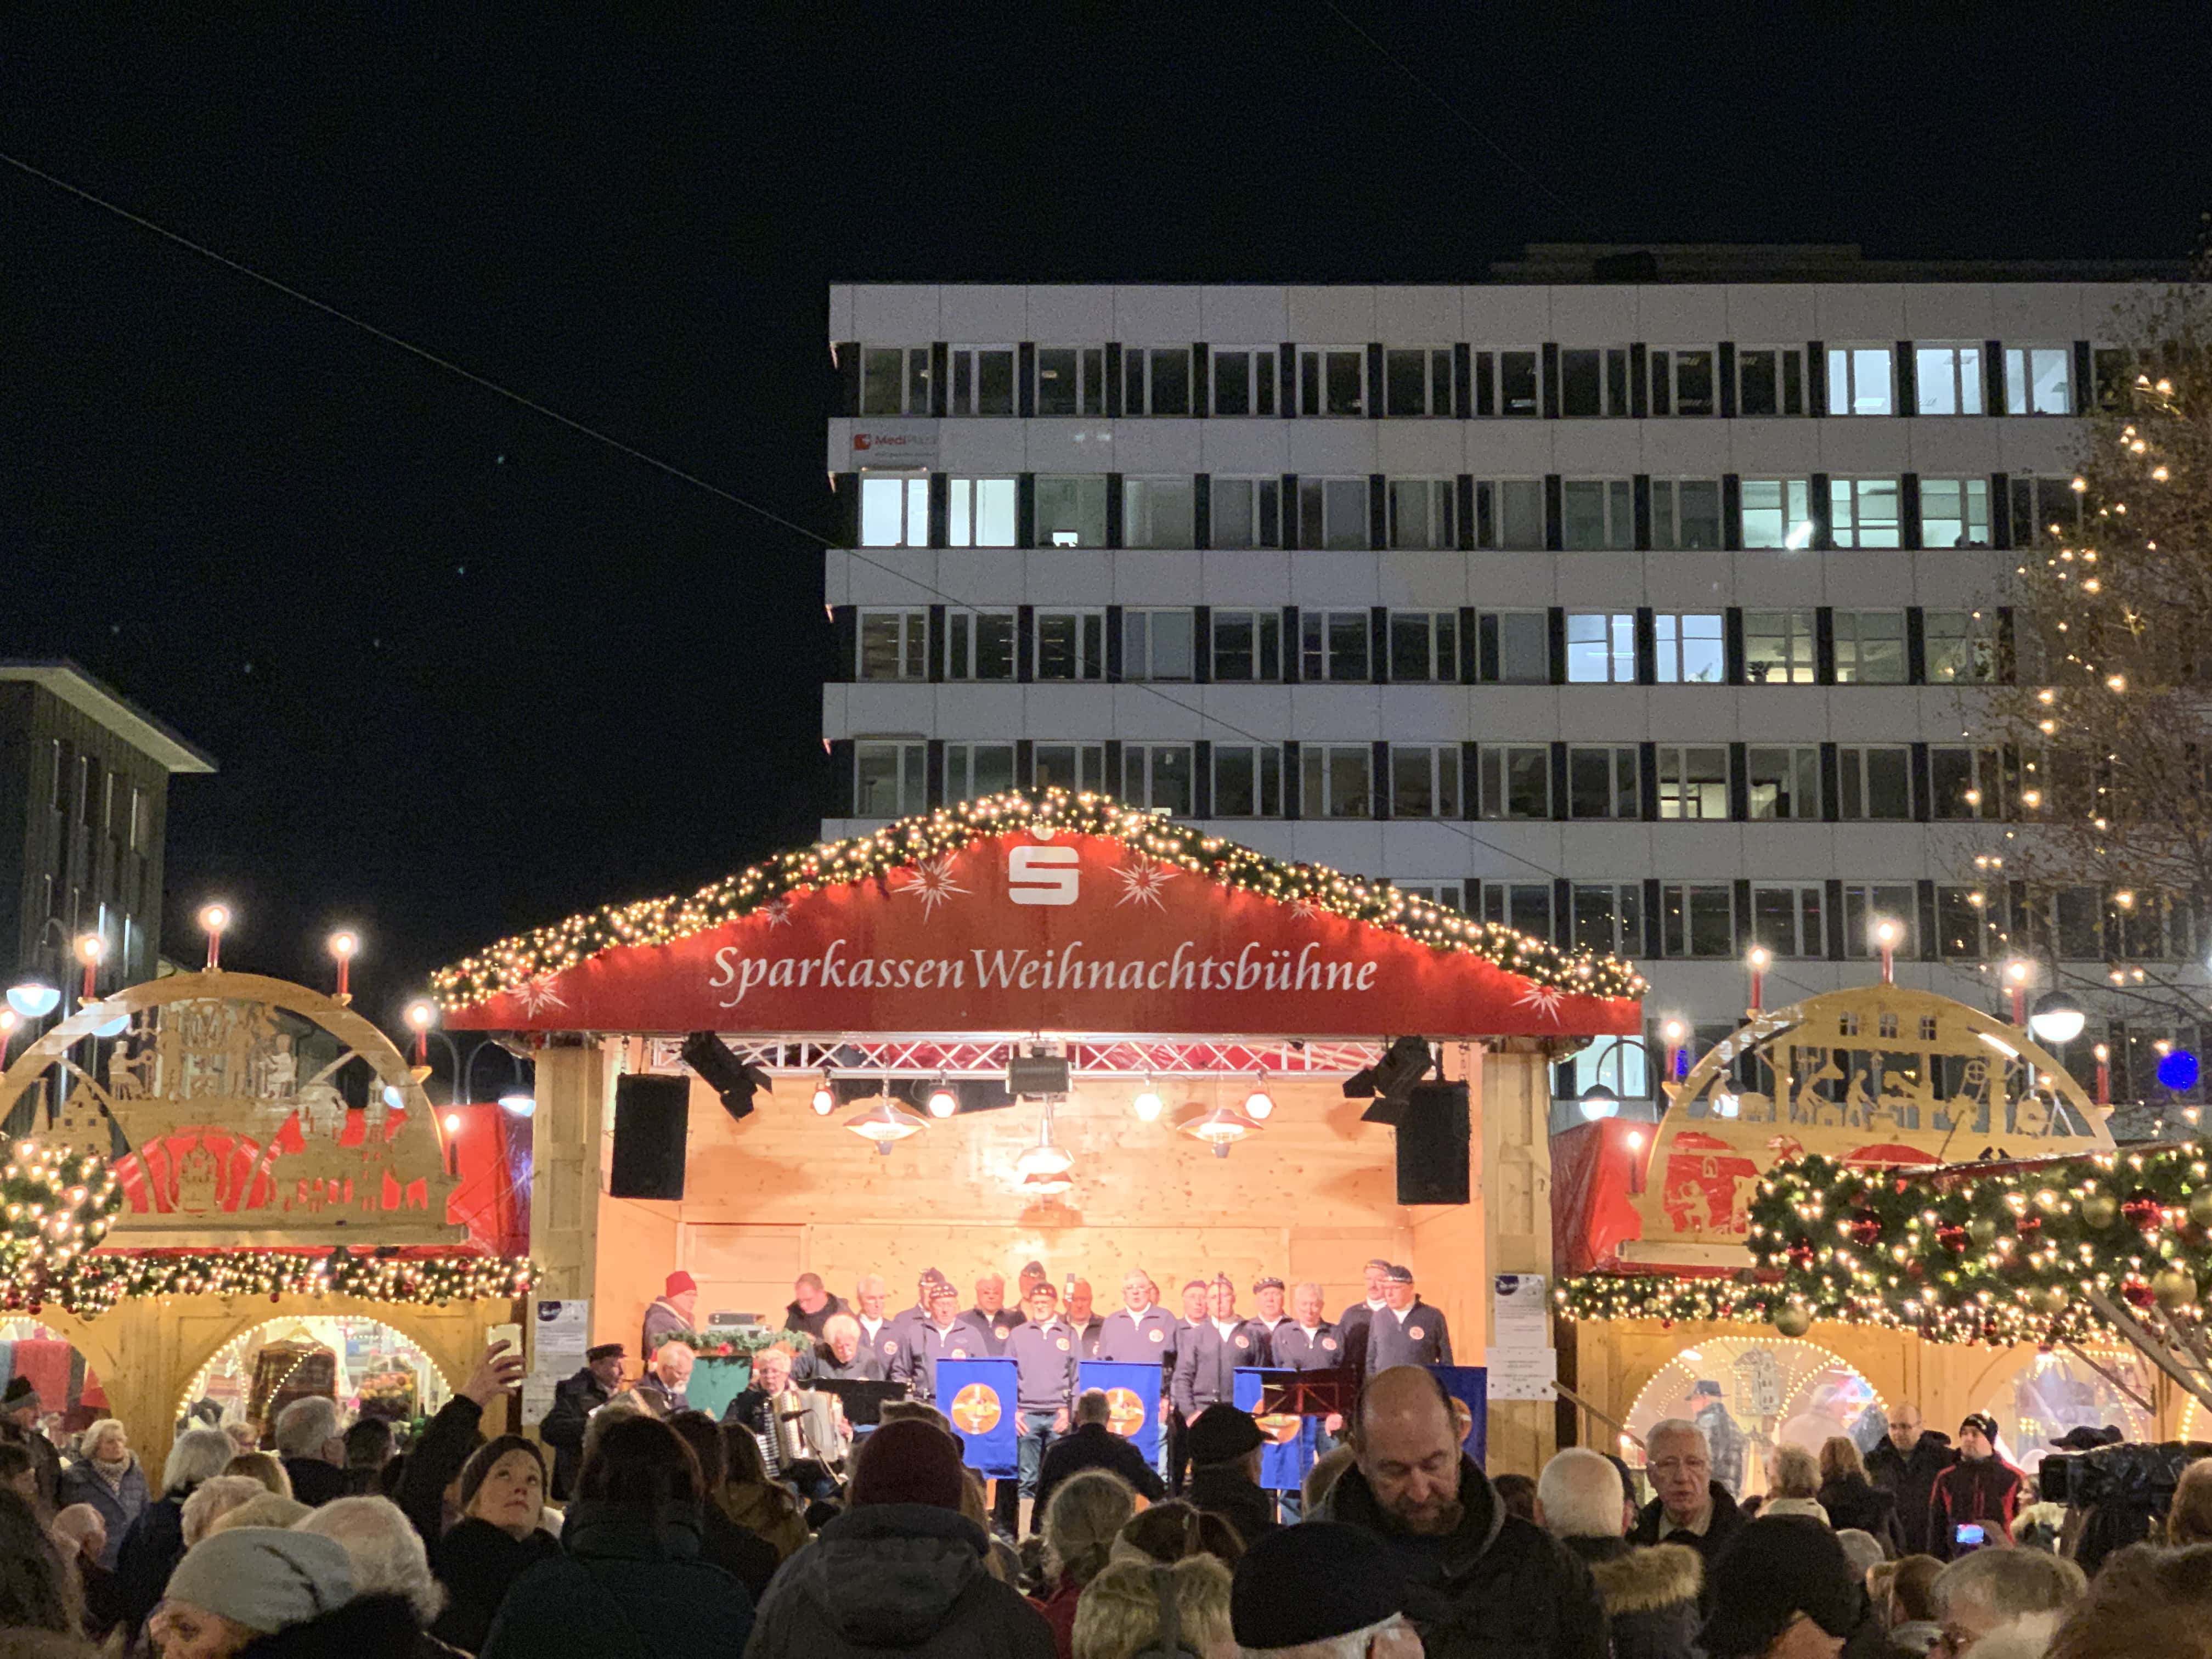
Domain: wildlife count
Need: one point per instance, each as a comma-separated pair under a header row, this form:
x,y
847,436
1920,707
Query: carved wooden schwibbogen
x,y
1872,1074
219,1131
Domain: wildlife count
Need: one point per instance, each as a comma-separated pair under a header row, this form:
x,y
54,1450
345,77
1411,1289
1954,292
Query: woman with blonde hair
x,y
213,1499
1852,1500
266,1466
760,1506
1120,1615
1086,1514
109,1478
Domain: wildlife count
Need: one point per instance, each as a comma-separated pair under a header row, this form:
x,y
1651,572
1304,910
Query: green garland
x,y
552,949
93,1285
741,1341
1598,1297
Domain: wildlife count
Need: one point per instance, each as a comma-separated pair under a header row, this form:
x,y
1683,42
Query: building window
x,y
1418,380
1423,512
895,381
1248,781
1863,512
1516,780
1600,647
1693,780
1959,647
1506,383
1155,380
1954,512
1071,380
1689,648
1777,513
1332,514
1594,381
1071,645
890,780
1333,380
1784,783
2045,512
2038,380
1609,918
1337,780
1515,648
975,769
1246,512
1787,921
1445,895
1248,645
1686,515
1965,783
1869,647
1682,380
894,644
1424,646
141,833
894,510
1867,903
982,513
1333,646
983,381
1778,647
979,645
1601,782
1948,378
1071,510
1157,775
1875,783
1073,766
1509,515
1244,380
1158,513
1770,380
1697,920
1860,380
1524,906
1424,781
1961,923
1596,513
1157,645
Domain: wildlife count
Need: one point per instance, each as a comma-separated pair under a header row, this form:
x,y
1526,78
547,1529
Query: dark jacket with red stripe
x,y
1987,1491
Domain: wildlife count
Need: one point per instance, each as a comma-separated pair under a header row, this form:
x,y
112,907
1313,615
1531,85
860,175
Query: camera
x,y
2135,1473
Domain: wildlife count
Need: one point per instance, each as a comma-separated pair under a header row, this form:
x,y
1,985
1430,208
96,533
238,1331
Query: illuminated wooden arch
x,y
1853,1075
228,1143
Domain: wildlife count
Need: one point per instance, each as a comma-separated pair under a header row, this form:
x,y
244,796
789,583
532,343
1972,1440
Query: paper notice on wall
x,y
560,1333
1523,1373
1521,1312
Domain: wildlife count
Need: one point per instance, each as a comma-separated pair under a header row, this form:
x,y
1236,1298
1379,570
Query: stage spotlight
x,y
1390,1080
943,1099
730,1077
1260,1105
825,1098
1148,1105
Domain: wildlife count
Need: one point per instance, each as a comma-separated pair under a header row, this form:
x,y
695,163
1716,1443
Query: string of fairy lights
x,y
553,950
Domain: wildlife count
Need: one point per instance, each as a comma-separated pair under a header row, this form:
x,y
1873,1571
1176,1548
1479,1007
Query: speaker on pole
x,y
1434,1137
651,1116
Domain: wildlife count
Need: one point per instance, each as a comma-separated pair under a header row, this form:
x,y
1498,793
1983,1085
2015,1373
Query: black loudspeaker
x,y
730,1077
651,1115
1434,1139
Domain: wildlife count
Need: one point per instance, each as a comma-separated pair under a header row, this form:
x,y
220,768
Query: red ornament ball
x,y
1865,1229
1952,1238
2143,1212
2138,1293
2027,1227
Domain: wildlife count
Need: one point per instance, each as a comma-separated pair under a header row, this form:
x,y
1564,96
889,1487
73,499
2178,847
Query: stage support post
x,y
1513,1106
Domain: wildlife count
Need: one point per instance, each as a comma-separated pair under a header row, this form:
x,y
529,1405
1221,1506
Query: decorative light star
x,y
1141,881
537,993
929,880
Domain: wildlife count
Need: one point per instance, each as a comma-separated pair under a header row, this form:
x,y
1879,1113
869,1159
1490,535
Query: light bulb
x,y
943,1101
825,1099
1148,1104
1259,1105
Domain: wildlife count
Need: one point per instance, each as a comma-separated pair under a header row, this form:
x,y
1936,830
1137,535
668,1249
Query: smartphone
x,y
1967,1536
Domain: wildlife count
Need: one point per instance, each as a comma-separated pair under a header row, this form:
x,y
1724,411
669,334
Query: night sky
x,y
466,671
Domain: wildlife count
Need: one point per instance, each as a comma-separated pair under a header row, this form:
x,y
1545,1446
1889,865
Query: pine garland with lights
x,y
1596,1298
516,962
740,1341
56,1204
95,1283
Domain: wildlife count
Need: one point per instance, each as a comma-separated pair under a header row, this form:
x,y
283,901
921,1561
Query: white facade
x,y
1864,649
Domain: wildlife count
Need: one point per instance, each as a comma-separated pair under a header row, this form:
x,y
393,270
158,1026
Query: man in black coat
x,y
1092,1444
20,1409
1906,1465
1650,1594
1477,1580
1225,1471
573,1402
1691,1507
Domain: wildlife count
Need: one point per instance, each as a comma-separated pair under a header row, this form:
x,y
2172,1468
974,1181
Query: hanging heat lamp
x,y
886,1123
1042,1185
1220,1128
1044,1158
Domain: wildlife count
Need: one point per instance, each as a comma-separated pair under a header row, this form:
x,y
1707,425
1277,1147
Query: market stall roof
x,y
1053,912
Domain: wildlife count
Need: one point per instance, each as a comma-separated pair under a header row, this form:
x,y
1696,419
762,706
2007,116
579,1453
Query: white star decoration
x,y
1304,909
778,914
930,881
536,995
1544,998
1141,882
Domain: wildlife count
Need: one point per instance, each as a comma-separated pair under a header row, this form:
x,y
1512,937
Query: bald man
x,y
1477,1579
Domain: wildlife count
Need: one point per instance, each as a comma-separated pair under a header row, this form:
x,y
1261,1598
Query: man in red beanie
x,y
675,1310
902,1570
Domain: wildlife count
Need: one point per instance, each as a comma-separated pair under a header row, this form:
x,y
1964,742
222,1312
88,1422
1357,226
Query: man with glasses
x,y
1691,1507
1996,1590
1905,1466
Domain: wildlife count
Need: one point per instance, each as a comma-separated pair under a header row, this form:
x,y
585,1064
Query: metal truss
x,y
878,1055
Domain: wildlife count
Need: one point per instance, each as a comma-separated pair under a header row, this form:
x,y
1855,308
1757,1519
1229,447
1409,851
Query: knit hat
x,y
478,1468
1767,1574
680,1282
910,1462
1981,1421
263,1577
1312,1582
1221,1434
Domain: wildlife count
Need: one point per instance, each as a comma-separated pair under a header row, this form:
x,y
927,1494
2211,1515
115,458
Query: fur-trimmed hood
x,y
1644,1578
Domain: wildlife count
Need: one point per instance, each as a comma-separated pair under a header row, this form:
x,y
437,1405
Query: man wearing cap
x,y
1043,1348
991,1320
905,1319
674,1310
877,1335
1351,1324
1268,1295
1082,1316
20,1407
1980,1490
1319,1587
1409,1331
573,1402
1783,1588
248,1582
1476,1579
1225,1471
811,1306
944,1335
1906,1465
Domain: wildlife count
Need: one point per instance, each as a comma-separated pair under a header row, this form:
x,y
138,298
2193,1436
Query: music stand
x,y
863,1401
1333,1392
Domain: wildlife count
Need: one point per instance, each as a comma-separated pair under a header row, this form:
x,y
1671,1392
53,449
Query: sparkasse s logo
x,y
1041,875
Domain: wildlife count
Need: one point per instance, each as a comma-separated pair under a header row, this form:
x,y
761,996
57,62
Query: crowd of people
x,y
675,1538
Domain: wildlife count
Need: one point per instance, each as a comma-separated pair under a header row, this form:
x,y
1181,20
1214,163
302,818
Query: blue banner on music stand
x,y
1470,1383
978,1395
1133,1399
1290,1450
